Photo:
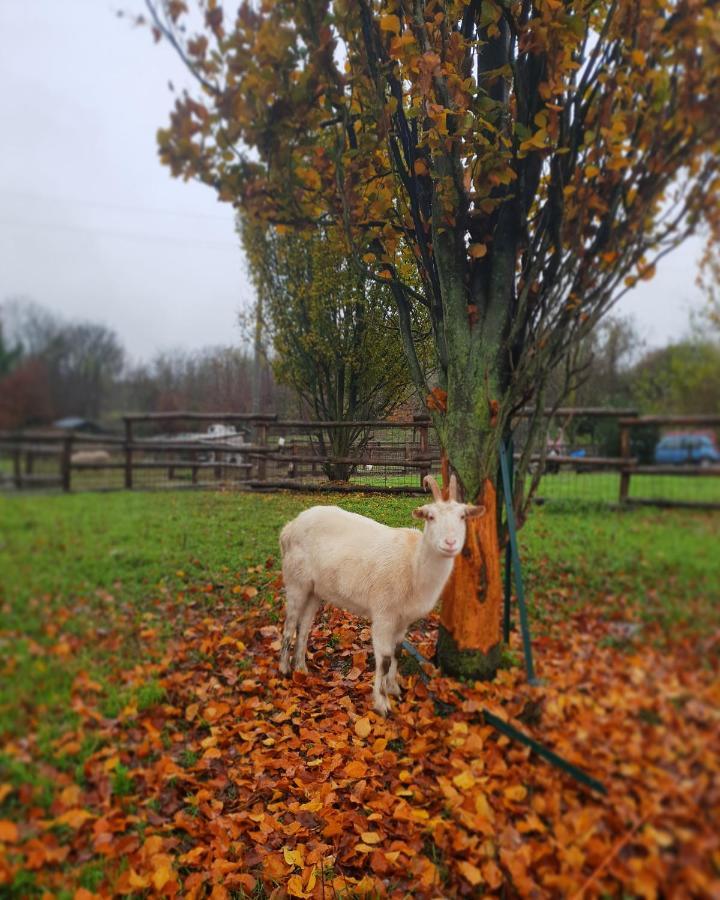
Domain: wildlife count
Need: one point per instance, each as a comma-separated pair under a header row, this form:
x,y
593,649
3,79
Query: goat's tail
x,y
286,538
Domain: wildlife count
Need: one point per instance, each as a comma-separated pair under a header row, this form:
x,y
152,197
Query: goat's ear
x,y
422,512
472,512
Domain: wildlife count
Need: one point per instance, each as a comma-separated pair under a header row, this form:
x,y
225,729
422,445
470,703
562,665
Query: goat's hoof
x,y
302,668
394,690
382,707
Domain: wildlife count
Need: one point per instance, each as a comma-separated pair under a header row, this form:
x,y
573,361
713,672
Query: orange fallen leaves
x,y
241,779
8,832
363,727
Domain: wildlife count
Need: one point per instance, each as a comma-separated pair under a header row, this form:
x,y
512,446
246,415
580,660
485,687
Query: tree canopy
x,y
533,158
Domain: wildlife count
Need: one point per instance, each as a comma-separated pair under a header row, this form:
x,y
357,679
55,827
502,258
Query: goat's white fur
x,y
393,576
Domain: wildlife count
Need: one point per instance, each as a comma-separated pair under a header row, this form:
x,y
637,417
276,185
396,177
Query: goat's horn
x,y
429,482
453,487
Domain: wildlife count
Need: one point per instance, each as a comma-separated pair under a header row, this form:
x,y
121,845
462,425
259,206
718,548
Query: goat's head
x,y
445,519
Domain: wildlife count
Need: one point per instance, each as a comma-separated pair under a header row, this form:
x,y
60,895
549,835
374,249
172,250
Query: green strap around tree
x,y
507,616
517,569
515,734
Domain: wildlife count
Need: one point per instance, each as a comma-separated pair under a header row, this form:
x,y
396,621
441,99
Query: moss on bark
x,y
467,664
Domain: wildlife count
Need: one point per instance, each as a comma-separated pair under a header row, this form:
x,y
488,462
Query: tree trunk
x,y
470,639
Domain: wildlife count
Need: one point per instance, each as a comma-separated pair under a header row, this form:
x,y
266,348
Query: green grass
x,y
84,579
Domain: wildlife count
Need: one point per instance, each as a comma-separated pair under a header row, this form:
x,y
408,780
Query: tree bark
x,y
470,639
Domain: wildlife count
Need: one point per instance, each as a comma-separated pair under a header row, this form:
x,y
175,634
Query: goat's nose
x,y
450,542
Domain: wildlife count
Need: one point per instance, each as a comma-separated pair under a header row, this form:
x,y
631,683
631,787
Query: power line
x,y
104,204
122,235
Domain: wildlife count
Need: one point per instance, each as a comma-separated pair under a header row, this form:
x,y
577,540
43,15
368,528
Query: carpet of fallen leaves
x,y
242,783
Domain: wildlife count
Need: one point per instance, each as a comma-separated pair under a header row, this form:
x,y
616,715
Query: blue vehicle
x,y
686,449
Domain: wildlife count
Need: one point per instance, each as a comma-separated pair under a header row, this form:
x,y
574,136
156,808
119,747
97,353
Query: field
x,y
124,614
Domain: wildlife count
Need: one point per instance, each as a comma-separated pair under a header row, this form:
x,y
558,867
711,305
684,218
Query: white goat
x,y
90,456
392,576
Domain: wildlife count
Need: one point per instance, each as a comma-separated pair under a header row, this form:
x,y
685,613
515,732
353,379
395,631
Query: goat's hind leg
x,y
295,601
305,623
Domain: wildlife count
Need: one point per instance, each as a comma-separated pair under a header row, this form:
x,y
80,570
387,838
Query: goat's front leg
x,y
383,650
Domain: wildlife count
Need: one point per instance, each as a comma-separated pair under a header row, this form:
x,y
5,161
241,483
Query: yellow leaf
x,y
470,872
293,857
365,886
482,807
70,796
464,780
369,258
517,792
591,171
371,837
138,881
390,23
363,848
295,887
162,871
477,251
638,57
363,727
74,818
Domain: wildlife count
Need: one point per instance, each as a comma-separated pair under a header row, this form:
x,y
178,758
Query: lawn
x,y
124,614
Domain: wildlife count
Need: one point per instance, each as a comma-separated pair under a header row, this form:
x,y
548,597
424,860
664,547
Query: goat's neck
x,y
431,570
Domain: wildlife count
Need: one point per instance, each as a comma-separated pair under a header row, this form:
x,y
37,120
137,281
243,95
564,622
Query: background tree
x,y
534,158
682,378
25,397
212,379
10,356
82,359
334,334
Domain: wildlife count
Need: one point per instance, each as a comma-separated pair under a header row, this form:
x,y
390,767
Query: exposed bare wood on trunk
x,y
472,599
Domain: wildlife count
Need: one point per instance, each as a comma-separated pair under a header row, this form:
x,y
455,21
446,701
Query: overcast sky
x,y
92,226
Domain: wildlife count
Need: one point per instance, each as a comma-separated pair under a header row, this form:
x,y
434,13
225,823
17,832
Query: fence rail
x,y
597,455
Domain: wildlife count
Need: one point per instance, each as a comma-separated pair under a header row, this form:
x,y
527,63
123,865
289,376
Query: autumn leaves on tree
x,y
530,160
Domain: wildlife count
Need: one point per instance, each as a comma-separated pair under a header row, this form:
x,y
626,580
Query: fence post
x,y
424,445
625,471
17,468
66,463
261,435
128,454
194,469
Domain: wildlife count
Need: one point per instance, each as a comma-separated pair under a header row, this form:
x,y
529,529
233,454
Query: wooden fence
x,y
269,454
